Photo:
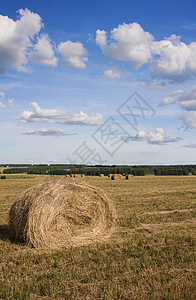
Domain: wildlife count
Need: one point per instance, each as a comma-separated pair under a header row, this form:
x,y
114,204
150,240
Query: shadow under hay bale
x,y
4,232
60,214
116,176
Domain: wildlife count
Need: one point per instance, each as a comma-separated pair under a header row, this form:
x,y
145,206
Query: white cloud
x,y
156,137
2,95
43,53
112,74
189,119
16,39
174,58
170,59
129,43
167,100
2,100
190,145
9,104
57,116
73,54
49,132
187,100
101,38
154,84
170,98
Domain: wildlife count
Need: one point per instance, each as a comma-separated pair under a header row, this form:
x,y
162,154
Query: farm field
x,y
151,254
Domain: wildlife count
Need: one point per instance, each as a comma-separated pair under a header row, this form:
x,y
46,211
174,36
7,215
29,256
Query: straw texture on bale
x,y
116,176
129,176
60,214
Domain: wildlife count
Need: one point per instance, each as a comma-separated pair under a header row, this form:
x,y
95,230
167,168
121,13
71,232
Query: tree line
x,y
178,170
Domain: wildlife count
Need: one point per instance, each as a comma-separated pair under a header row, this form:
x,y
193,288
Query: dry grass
x,y
62,213
151,254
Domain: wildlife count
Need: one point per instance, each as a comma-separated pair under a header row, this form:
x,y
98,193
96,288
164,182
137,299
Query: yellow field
x,y
151,254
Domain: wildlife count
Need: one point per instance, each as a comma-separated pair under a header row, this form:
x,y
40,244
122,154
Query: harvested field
x,y
151,254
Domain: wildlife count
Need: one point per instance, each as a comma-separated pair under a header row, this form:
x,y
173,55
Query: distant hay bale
x,y
129,176
60,214
77,175
110,175
82,175
101,175
67,175
116,176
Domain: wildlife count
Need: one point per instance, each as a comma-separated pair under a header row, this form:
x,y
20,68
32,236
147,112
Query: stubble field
x,y
151,254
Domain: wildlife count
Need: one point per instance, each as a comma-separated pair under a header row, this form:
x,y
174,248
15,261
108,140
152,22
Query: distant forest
x,y
63,169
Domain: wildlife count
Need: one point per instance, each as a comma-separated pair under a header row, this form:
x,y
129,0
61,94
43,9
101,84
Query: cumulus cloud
x,y
57,116
170,59
167,100
187,100
20,42
129,42
112,74
74,54
43,53
174,59
49,132
156,137
189,119
16,37
101,38
170,98
2,101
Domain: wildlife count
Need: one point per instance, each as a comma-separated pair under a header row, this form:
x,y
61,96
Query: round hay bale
x,y
116,176
60,214
101,175
129,176
110,175
77,175
82,175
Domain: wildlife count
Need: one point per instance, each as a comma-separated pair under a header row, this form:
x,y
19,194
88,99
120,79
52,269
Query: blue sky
x,y
66,67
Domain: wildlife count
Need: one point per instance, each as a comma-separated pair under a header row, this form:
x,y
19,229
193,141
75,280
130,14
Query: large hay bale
x,y
129,176
60,214
116,176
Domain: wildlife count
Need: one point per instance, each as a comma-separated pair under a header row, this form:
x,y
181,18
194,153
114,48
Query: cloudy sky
x,y
98,82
